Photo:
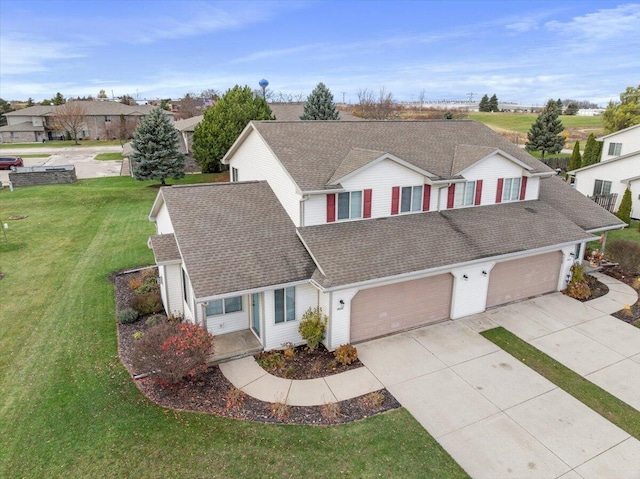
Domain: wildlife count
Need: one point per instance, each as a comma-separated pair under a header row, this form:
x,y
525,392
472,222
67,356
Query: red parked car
x,y
10,162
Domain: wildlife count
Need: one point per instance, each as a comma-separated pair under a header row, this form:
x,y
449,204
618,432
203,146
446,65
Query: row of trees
x,y
590,156
488,104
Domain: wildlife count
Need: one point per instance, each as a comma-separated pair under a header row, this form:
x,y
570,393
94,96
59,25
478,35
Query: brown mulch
x,y
208,392
306,364
597,288
631,315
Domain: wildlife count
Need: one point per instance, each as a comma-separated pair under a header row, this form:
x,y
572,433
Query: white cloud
x,y
620,22
524,26
20,56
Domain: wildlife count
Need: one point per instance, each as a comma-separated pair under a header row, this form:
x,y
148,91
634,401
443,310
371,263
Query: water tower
x,y
264,84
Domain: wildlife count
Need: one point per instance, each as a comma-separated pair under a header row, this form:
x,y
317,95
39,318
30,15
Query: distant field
x,y
521,122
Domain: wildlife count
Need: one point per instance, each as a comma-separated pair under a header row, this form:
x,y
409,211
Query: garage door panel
x,y
523,278
396,307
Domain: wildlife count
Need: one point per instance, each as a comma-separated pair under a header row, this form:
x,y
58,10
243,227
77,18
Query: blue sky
x,y
525,52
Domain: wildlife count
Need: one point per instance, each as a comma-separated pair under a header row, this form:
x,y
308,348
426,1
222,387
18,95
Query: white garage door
x,y
524,278
388,309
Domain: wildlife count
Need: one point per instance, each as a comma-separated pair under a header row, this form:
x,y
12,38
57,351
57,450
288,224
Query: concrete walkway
x,y
247,375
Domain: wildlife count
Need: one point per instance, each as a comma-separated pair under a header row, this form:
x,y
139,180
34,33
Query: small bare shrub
x,y
149,273
579,290
235,398
316,366
270,360
175,317
346,354
127,315
330,411
289,350
280,410
626,253
135,282
169,352
372,400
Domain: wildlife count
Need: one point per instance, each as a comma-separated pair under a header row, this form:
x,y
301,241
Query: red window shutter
x,y
499,190
478,197
331,208
395,200
451,196
366,213
523,187
426,197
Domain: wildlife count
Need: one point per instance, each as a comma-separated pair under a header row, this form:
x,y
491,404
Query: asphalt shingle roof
x,y
312,151
575,206
164,248
234,237
357,251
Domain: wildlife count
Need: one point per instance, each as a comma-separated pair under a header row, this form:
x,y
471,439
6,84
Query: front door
x,y
255,313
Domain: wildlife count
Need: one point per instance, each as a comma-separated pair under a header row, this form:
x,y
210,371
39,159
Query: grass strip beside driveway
x,y
108,156
602,402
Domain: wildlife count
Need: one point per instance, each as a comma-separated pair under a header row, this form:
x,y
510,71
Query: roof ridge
x,y
217,183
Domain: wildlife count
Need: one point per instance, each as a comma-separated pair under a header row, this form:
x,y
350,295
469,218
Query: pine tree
x,y
545,133
493,103
320,105
155,144
484,104
576,159
591,154
30,102
223,123
624,211
58,99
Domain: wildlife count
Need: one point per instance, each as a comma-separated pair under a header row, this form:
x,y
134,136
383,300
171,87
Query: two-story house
x,y
385,225
618,169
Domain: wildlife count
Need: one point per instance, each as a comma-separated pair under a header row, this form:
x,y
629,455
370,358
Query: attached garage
x,y
396,307
524,278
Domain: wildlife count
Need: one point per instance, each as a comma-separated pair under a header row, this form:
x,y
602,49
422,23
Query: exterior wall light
x,y
341,304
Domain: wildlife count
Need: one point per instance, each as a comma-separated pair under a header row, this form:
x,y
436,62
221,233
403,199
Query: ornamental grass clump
x,y
169,352
312,327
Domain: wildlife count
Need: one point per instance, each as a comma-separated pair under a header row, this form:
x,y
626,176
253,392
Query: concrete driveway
x,y
81,157
498,418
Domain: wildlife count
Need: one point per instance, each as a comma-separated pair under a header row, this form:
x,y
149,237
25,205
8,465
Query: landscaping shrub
x,y
280,410
155,319
127,315
289,350
578,287
235,398
147,303
169,352
625,252
270,360
330,411
346,354
372,400
624,212
312,327
149,286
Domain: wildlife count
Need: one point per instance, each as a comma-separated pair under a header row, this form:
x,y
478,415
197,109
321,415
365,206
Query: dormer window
x,y
511,189
411,199
465,194
349,205
615,149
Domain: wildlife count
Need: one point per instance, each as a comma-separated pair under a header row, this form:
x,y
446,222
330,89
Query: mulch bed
x,y
306,364
597,288
208,393
631,315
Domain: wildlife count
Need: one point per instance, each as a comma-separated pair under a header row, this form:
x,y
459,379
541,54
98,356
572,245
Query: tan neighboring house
x,y
282,112
102,121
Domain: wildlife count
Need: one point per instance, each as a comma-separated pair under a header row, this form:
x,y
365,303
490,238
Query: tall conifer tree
x,y
320,105
545,133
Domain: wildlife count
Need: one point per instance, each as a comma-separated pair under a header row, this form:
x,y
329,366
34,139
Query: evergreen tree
x,y
320,105
30,102
624,212
155,144
5,107
223,123
572,109
493,103
576,159
58,99
591,154
484,104
545,133
559,105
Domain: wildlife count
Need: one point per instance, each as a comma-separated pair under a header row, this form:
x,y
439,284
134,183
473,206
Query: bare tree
x,y
421,97
128,100
126,128
281,97
371,107
190,106
70,117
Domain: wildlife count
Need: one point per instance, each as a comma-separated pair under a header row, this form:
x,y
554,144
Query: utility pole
x,y
343,94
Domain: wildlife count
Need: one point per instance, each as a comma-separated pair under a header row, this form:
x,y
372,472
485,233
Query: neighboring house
x,y
385,225
102,121
282,112
619,169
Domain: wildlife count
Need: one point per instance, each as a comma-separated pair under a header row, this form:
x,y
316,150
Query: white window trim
x,y
461,192
350,218
420,199
284,310
603,183
224,307
616,147
517,192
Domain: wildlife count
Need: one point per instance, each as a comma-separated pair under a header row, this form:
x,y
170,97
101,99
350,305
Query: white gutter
x,y
233,294
608,228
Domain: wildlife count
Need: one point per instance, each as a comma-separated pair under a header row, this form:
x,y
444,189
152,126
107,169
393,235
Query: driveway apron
x,y
495,416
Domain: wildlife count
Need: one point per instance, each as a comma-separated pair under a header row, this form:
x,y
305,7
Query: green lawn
x,y
605,404
109,156
629,233
522,121
59,144
36,155
67,406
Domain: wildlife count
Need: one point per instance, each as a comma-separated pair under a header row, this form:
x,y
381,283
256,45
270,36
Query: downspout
x,y
302,201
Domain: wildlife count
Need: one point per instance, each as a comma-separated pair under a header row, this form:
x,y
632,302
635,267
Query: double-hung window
x,y
615,149
511,189
465,194
411,199
234,174
350,205
285,304
224,306
601,187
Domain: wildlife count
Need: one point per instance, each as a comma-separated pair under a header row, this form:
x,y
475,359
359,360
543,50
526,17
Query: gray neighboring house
x,y
102,121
